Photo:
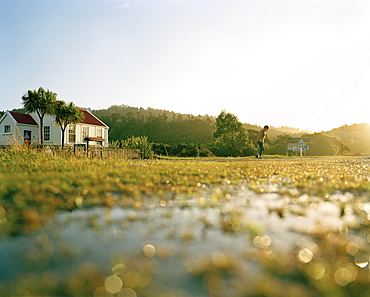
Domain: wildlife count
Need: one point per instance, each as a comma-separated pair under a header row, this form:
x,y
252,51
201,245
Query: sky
x,y
296,63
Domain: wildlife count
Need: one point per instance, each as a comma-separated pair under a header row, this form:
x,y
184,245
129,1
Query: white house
x,y
18,128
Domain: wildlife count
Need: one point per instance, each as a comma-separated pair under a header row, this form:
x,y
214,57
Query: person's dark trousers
x,y
261,148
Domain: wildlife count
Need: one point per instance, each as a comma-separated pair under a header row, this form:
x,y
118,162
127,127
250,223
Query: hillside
x,y
356,136
161,126
170,127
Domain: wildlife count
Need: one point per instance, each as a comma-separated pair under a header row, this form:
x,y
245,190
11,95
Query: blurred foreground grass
x,y
35,186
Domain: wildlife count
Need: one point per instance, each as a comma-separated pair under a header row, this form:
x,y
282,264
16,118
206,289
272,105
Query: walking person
x,y
261,141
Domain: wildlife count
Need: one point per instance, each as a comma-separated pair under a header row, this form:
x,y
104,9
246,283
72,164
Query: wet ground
x,y
172,245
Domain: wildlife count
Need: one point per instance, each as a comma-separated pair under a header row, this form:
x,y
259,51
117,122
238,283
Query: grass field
x,y
200,227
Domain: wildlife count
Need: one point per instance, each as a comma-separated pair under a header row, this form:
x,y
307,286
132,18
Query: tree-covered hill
x,y
160,126
163,126
168,127
356,136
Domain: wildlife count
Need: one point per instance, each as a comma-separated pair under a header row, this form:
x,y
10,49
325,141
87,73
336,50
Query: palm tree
x,y
66,114
42,102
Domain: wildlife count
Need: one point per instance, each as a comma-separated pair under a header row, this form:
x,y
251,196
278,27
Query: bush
x,y
185,150
205,152
141,143
322,147
249,151
279,149
161,149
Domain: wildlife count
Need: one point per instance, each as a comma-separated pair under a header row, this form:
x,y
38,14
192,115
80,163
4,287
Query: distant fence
x,y
106,153
83,151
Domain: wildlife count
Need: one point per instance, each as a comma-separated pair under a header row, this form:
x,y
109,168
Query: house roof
x,y
90,119
22,118
26,119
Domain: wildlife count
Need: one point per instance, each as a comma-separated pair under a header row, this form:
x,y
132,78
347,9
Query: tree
x,y
42,102
66,114
322,147
279,146
186,150
230,137
279,149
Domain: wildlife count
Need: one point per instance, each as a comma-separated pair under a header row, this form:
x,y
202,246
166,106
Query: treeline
x,y
185,135
160,126
175,134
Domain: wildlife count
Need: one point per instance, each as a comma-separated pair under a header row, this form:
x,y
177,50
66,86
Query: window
x,y
99,132
47,133
85,132
71,133
7,129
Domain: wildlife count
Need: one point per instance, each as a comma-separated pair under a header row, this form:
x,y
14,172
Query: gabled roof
x,y
26,119
90,119
22,118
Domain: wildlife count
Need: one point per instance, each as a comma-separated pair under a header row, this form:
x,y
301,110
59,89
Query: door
x,y
27,136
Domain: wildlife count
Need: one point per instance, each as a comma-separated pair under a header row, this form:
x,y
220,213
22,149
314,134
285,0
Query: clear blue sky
x,y
298,63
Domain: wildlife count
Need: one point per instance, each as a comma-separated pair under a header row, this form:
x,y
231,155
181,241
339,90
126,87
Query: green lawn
x,y
223,227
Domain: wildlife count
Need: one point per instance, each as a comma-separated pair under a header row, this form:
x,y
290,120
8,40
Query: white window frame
x,y
85,132
5,126
45,139
99,132
71,131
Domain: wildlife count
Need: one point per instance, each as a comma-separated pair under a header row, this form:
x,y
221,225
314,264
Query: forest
x,y
183,135
158,125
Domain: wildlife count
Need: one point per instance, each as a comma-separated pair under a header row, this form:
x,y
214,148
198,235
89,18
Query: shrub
x,y
141,143
186,150
205,152
279,149
249,151
322,147
161,149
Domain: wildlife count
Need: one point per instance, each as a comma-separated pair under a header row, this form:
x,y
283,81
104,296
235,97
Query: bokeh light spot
x,y
113,284
117,234
149,250
127,292
265,240
79,201
118,268
100,292
362,260
305,255
343,276
219,259
317,271
352,248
